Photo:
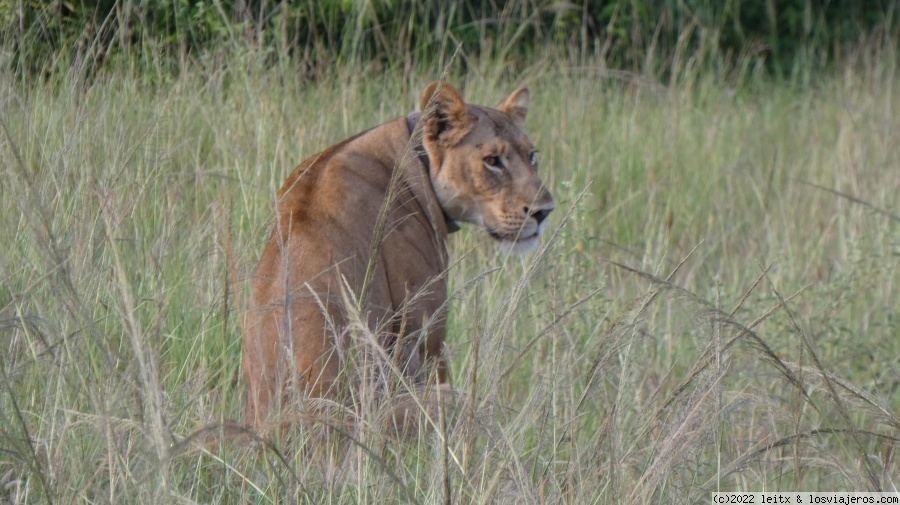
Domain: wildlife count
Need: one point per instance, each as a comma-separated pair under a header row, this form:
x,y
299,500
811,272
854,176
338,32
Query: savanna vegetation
x,y
715,307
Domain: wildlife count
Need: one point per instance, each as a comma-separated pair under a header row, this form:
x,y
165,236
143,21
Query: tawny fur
x,y
325,224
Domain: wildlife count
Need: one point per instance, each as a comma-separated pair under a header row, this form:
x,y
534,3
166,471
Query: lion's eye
x,y
492,162
533,158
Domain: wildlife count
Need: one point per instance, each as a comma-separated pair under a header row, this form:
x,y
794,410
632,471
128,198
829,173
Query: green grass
x,y
706,317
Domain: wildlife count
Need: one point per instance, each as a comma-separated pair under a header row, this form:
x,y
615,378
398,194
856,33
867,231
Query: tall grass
x,y
715,310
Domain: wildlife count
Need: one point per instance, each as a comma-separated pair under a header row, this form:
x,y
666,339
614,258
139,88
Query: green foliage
x,y
627,33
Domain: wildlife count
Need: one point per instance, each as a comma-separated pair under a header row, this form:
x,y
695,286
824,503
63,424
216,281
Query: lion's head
x,y
483,167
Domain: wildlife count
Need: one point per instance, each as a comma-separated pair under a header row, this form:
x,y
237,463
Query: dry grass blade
x,y
698,419
229,432
562,317
714,314
788,441
148,370
854,394
854,199
28,455
838,401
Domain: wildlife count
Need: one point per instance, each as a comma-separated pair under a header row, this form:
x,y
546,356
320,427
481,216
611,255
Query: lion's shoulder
x,y
361,157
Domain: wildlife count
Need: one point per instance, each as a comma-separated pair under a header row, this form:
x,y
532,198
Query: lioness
x,y
334,235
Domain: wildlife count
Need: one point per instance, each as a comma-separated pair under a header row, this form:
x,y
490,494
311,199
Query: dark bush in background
x,y
39,36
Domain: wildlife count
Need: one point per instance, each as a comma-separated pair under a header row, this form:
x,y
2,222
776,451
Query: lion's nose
x,y
540,214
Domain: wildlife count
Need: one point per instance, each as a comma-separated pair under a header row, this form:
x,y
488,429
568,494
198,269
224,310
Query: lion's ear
x,y
516,106
444,115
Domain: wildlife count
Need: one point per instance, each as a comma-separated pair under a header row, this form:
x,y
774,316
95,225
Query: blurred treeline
x,y
39,36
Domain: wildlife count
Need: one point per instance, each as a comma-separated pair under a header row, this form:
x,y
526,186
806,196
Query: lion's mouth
x,y
494,234
518,237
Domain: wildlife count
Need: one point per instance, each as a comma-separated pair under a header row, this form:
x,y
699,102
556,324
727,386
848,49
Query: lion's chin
x,y
521,247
